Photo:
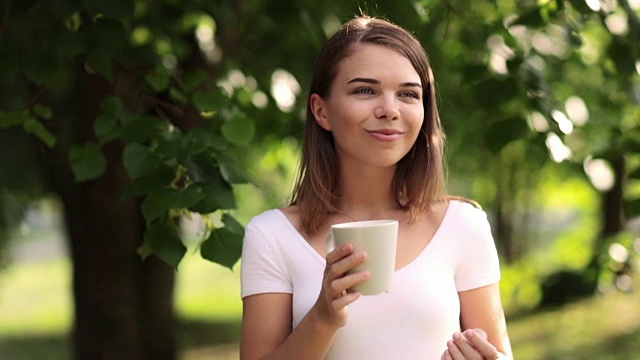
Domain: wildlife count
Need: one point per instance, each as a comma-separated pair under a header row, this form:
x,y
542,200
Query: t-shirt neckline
x,y
424,250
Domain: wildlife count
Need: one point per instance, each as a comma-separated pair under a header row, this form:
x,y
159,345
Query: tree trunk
x,y
611,206
503,214
611,215
123,304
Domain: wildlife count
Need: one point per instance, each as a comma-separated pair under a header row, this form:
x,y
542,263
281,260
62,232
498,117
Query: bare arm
x,y
266,319
483,325
266,330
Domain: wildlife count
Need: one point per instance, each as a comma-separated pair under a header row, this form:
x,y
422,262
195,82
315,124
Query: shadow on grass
x,y
199,333
189,335
625,346
50,347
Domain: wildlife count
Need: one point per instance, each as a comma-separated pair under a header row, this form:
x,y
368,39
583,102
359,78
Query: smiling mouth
x,y
385,134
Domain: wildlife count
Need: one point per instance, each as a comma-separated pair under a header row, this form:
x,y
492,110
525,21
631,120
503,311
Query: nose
x,y
387,108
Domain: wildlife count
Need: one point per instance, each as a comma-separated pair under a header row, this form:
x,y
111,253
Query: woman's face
x,y
374,109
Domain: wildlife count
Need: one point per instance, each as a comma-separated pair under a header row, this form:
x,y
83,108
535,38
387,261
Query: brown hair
x,y
419,176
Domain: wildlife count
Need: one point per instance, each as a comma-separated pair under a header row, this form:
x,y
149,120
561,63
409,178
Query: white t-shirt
x,y
420,313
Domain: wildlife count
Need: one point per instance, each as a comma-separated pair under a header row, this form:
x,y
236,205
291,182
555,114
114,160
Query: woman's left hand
x,y
472,344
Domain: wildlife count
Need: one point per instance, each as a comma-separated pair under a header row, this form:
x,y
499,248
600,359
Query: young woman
x,y
373,149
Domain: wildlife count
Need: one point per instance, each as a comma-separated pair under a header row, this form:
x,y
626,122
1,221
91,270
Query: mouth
x,y
386,134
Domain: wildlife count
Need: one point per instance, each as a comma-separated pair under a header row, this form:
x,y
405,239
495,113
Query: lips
x,y
386,134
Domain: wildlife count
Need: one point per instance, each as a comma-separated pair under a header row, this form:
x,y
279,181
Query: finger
x,y
465,347
446,356
339,253
453,351
341,302
344,283
478,338
340,267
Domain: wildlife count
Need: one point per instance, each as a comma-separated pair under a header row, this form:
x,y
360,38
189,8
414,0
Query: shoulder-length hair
x,y
419,176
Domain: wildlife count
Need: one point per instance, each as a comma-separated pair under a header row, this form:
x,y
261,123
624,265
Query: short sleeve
x,y
477,264
263,266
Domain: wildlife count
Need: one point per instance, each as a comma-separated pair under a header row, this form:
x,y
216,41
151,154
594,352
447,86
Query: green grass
x,y
36,309
35,315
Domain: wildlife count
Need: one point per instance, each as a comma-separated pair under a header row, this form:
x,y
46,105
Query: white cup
x,y
378,239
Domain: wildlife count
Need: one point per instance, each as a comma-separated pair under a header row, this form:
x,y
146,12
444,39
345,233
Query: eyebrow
x,y
377,82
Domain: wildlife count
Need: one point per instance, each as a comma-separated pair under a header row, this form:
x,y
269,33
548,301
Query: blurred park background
x,y
138,136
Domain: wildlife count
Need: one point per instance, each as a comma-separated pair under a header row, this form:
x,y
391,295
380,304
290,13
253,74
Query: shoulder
x,y
465,211
273,224
265,225
266,218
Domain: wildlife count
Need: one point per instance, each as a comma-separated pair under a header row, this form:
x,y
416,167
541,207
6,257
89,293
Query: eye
x,y
410,94
365,91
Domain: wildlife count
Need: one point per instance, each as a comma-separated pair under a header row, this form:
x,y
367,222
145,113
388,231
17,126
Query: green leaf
x,y
106,129
114,9
151,182
158,79
207,101
144,250
42,111
202,167
168,149
231,172
239,129
36,128
159,202
39,66
141,128
101,65
163,239
139,161
232,224
87,161
193,79
198,140
176,95
224,246
112,105
13,118
217,195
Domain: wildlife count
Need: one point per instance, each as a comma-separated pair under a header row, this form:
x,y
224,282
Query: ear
x,y
318,108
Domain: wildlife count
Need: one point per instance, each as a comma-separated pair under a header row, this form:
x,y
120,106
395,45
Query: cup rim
x,y
367,223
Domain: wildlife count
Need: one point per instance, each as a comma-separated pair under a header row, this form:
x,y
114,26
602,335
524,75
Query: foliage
x,y
173,166
194,85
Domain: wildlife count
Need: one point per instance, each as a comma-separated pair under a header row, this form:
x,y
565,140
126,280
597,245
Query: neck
x,y
367,193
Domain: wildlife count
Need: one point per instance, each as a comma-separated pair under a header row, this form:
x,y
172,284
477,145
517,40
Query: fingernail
x,y
469,333
456,336
450,343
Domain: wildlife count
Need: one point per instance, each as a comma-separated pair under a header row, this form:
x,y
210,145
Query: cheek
x,y
417,119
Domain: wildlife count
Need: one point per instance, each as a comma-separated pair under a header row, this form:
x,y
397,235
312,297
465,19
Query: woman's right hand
x,y
334,298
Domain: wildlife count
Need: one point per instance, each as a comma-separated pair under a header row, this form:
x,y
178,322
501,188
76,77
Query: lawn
x,y
35,311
